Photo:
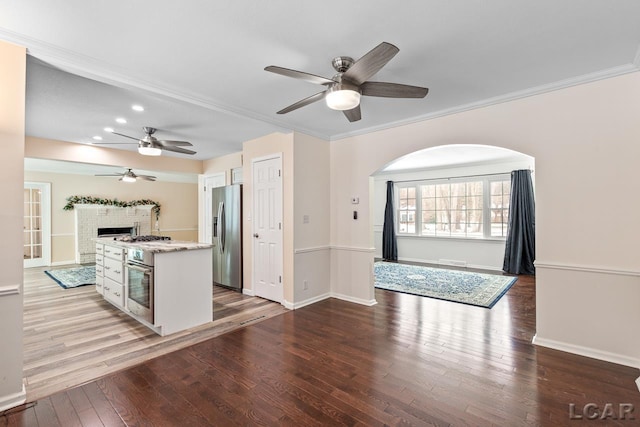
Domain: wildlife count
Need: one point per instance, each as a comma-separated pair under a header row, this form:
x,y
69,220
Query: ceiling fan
x,y
343,90
129,176
149,145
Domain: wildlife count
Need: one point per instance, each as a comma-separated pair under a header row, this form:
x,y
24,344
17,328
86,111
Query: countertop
x,y
156,246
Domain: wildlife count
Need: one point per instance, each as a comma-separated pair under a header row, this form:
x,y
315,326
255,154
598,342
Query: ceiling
x,y
199,70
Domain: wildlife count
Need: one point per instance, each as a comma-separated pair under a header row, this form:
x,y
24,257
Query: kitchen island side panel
x,y
183,290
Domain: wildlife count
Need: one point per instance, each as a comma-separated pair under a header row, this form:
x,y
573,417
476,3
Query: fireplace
x,y
115,231
104,221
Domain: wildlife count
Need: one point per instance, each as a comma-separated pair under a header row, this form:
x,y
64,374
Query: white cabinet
x,y
110,273
99,268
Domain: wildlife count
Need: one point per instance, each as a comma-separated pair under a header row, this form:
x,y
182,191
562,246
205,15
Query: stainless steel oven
x,y
139,279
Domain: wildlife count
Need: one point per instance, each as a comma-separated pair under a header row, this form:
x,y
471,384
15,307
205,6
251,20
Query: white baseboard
x,y
304,303
436,262
249,292
59,263
12,400
589,352
368,303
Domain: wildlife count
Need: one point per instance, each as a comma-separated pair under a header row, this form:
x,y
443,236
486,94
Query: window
x,y
407,210
476,208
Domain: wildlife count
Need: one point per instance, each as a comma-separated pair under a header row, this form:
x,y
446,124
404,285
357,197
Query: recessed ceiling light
x,y
121,120
97,138
110,130
137,107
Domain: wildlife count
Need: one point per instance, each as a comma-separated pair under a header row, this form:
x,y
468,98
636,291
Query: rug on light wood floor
x,y
479,289
73,277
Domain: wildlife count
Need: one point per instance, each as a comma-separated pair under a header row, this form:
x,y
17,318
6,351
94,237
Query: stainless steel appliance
x,y
227,235
139,280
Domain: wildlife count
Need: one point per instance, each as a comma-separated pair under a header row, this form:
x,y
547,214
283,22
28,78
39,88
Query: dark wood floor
x,y
406,361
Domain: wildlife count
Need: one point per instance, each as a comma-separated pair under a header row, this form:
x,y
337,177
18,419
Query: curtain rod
x,y
455,177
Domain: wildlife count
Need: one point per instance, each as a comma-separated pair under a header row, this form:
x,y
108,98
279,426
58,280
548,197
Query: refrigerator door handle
x,y
223,227
218,225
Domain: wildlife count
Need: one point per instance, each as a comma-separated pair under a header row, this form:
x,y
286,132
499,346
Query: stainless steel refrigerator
x,y
227,235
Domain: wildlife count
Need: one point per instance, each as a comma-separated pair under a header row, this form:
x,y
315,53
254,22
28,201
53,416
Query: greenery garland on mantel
x,y
89,200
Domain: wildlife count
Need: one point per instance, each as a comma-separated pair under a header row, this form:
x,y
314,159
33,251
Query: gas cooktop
x,y
141,238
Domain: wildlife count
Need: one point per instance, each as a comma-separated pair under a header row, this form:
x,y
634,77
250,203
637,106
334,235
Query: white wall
x,y
12,123
475,253
312,257
585,141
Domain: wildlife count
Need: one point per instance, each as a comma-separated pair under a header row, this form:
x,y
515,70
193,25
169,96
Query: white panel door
x,y
267,229
212,181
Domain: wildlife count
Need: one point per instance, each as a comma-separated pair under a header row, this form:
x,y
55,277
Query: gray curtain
x,y
389,242
520,249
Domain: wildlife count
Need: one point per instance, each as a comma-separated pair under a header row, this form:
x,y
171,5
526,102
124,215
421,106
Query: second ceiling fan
x,y
149,145
343,90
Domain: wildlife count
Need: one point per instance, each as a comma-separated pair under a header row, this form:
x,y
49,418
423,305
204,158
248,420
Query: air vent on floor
x,y
251,320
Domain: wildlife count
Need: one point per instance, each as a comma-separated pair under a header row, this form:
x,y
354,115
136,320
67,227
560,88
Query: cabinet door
x,y
99,284
114,252
99,248
113,292
113,269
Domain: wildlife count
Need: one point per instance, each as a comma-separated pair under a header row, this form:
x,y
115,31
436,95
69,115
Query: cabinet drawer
x,y
114,252
99,248
99,259
99,271
114,270
99,284
113,292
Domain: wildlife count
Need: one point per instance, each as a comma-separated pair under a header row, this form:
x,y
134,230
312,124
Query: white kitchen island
x,y
182,281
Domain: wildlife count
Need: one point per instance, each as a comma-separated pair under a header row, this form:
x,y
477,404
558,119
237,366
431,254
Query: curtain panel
x,y
520,248
389,241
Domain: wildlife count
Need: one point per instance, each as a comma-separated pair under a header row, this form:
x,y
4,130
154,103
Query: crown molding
x,y
537,90
95,69
98,70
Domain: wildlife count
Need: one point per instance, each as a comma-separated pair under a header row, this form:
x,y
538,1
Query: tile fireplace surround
x,y
88,218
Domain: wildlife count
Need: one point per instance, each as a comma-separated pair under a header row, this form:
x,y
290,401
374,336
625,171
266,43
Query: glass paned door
x,y
36,248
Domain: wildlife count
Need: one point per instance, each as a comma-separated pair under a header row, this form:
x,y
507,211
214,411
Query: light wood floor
x,y
72,336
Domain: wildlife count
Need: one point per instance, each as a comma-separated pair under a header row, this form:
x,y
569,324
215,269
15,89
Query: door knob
x,y
256,235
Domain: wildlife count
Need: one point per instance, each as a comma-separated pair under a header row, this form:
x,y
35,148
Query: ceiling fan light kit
x,y
342,97
127,178
344,90
148,150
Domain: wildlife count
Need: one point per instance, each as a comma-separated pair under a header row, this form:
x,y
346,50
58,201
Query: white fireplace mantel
x,y
88,218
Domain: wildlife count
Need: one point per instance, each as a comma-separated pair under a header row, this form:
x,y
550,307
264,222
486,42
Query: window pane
x,y
411,203
428,190
411,192
403,193
458,189
442,190
428,204
457,202
403,203
474,202
474,188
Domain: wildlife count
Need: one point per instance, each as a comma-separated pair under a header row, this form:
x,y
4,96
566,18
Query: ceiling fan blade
x,y
165,143
309,100
177,150
311,78
354,114
126,136
108,174
111,143
146,177
370,63
392,90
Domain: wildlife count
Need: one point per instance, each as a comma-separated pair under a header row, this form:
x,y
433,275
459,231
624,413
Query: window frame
x,y
486,180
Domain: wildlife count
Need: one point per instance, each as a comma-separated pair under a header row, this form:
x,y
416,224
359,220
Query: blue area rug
x,y
482,290
73,277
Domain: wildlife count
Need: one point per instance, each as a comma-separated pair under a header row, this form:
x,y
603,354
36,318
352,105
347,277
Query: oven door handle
x,y
137,268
